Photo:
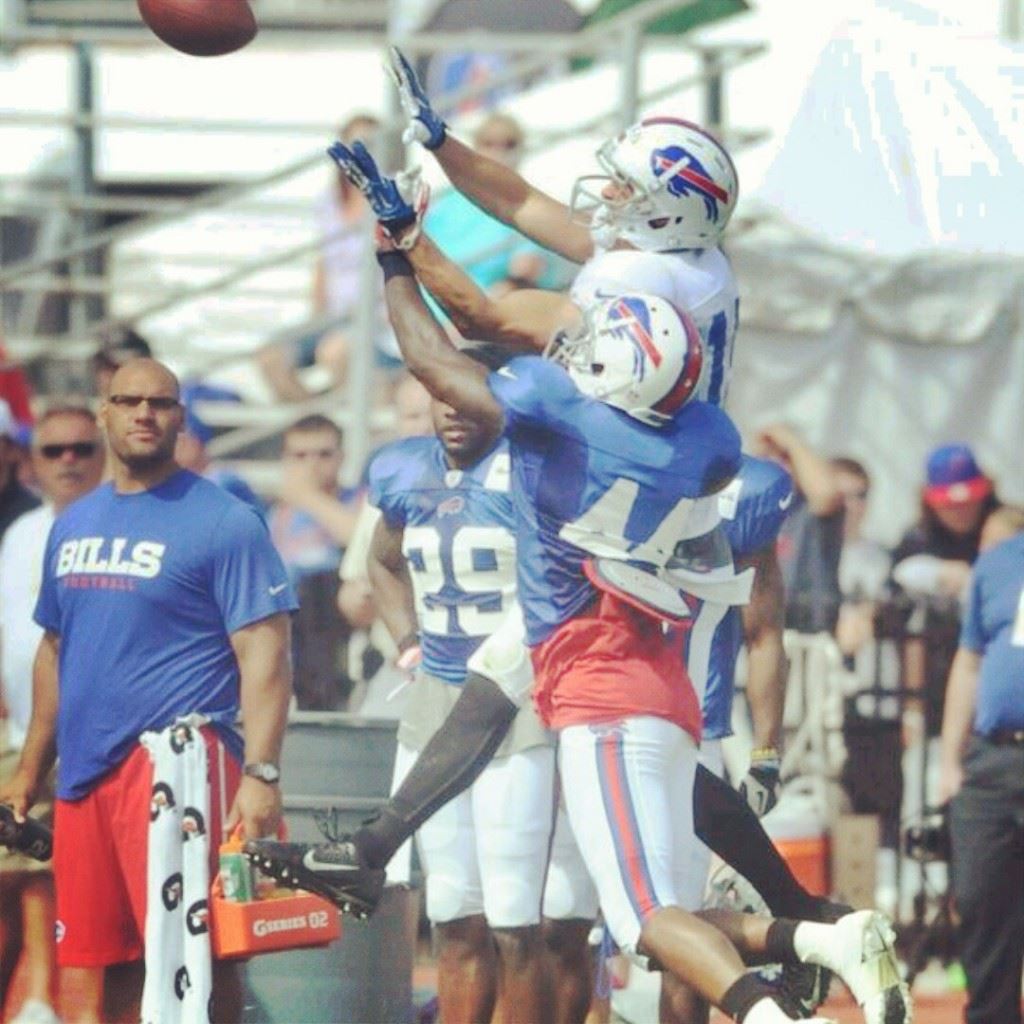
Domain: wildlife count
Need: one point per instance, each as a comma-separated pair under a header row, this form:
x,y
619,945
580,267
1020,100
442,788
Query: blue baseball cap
x,y
954,477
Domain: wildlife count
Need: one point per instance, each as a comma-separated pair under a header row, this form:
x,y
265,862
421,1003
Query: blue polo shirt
x,y
994,628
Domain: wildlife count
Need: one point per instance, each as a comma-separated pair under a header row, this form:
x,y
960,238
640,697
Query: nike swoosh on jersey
x,y
785,502
506,372
274,591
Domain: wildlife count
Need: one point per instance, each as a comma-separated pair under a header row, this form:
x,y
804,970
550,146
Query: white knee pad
x,y
504,658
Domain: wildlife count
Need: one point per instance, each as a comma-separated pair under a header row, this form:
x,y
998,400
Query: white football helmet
x,y
677,185
637,352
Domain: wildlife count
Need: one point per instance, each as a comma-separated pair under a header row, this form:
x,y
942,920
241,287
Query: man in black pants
x,y
983,775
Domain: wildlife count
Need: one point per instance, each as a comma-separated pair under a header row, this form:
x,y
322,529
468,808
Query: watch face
x,y
263,770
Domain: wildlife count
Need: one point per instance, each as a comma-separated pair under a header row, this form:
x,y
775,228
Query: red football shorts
x,y
612,661
99,857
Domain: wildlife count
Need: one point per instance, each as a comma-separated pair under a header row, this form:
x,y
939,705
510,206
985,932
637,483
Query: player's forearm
x,y
763,625
958,713
393,596
492,185
766,689
40,748
337,519
469,308
264,665
502,192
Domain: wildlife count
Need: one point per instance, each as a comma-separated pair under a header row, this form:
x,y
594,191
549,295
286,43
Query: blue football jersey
x,y
591,480
753,508
458,539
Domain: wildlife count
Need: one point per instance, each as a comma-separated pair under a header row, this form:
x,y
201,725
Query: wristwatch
x,y
265,771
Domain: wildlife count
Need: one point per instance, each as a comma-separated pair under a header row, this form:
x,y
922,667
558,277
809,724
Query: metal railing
x,y
621,36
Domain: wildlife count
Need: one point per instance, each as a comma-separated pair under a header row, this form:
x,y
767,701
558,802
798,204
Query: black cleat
x,y
332,870
804,987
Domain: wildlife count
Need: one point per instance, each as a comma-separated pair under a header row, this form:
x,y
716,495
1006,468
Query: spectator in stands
x,y
118,344
934,557
190,451
311,523
68,454
983,775
342,220
872,774
15,498
811,540
496,256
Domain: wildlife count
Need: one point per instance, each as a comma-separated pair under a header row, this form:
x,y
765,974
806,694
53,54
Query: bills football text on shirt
x,y
108,564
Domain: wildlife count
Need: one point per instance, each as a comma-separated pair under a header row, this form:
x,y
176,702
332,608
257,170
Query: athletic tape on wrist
x,y
394,264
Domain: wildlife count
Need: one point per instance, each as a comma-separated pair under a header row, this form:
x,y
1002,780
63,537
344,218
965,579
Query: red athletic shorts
x,y
612,661
99,857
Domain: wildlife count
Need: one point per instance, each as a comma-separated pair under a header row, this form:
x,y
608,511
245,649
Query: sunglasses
x,y
498,143
158,403
80,449
319,453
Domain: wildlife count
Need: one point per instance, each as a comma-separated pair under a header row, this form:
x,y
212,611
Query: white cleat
x,y
861,952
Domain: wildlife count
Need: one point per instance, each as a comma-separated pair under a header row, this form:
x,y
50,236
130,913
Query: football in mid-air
x,y
202,28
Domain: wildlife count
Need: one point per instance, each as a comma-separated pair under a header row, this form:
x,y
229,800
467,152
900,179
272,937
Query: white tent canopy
x,y
881,262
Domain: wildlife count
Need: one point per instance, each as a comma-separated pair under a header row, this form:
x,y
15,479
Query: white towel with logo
x,y
179,970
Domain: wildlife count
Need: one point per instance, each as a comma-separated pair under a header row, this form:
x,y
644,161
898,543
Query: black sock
x,y
778,947
450,762
743,993
724,822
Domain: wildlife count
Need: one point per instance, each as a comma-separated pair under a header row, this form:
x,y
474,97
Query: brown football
x,y
202,28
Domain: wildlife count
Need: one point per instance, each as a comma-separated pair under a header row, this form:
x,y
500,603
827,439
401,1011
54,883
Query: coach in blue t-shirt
x,y
983,773
162,596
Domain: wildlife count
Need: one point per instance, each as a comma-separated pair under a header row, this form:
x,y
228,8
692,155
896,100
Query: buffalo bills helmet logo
x,y
630,319
689,176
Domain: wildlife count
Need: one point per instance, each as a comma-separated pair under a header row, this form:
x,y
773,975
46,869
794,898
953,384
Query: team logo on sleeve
x,y
689,176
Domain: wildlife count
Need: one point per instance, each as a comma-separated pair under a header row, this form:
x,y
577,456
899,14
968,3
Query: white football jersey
x,y
699,281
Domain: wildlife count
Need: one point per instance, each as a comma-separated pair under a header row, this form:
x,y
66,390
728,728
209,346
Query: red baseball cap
x,y
954,477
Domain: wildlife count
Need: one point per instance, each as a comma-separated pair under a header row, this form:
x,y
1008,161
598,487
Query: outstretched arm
x,y
525,319
493,186
448,374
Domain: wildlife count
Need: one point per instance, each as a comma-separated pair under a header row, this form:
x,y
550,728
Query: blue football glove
x,y
397,203
425,126
760,786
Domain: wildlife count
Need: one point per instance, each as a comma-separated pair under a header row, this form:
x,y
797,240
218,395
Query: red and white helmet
x,y
682,187
636,352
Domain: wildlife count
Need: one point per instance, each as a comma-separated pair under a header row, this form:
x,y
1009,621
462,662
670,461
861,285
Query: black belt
x,y
1005,737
